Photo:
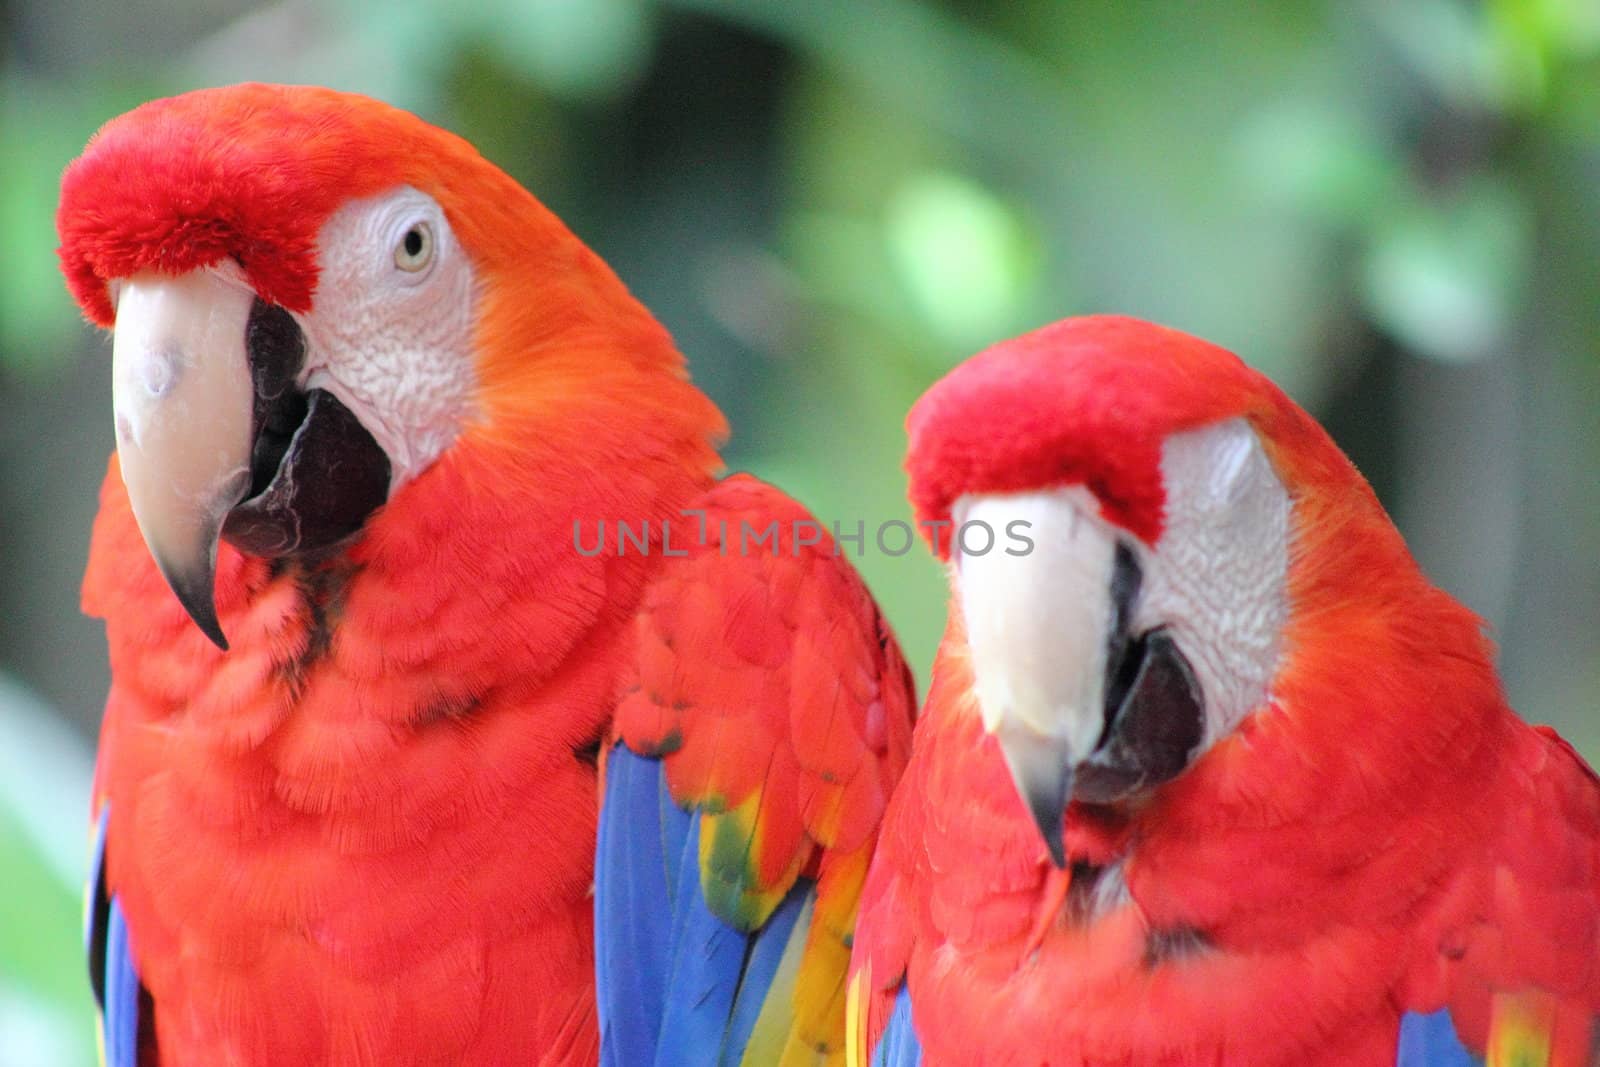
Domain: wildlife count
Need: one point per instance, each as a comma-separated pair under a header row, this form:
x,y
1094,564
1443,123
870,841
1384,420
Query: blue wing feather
x,y
1431,1041
675,984
760,968
112,973
898,1046
708,957
632,893
121,1018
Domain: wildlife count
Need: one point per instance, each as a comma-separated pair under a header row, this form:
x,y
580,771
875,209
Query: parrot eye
x,y
415,250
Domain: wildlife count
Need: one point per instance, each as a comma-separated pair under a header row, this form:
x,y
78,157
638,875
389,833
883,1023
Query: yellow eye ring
x,y
415,249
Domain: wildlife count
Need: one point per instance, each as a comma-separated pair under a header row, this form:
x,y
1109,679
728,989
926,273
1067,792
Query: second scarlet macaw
x,y
373,404
1209,773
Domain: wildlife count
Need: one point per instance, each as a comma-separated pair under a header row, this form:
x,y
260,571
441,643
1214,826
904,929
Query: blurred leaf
x,y
918,62
1524,34
398,56
1501,55
1575,101
34,1031
968,261
44,786
1320,158
1534,39
578,48
847,164
44,127
838,260
510,120
1451,46
1446,276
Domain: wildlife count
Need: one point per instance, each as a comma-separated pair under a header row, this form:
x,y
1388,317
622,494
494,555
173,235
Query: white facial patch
x,y
1218,576
391,332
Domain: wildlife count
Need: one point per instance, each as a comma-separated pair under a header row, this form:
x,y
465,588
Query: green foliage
x,y
1446,274
966,260
44,993
43,127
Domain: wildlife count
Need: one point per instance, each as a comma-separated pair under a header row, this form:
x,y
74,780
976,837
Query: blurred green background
x,y
1392,208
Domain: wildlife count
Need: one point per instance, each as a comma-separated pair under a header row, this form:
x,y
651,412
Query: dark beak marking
x,y
316,474
1155,729
277,350
1122,661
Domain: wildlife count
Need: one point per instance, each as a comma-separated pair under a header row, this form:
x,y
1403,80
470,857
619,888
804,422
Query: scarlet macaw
x,y
371,401
1208,772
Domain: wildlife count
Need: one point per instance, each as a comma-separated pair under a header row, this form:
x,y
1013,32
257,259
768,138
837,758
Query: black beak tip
x,y
1041,770
1047,816
193,587
213,629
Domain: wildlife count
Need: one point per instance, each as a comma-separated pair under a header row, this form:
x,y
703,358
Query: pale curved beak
x,y
1038,627
182,394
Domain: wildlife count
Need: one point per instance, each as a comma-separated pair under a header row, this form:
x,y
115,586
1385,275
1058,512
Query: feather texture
x,y
770,700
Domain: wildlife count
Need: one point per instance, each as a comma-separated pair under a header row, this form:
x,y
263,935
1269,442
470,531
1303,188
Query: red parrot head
x,y
1158,516
313,297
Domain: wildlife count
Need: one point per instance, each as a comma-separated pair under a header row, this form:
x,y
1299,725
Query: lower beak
x,y
1038,628
183,398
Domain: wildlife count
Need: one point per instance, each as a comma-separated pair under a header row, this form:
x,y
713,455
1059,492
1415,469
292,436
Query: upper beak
x,y
1038,629
182,393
